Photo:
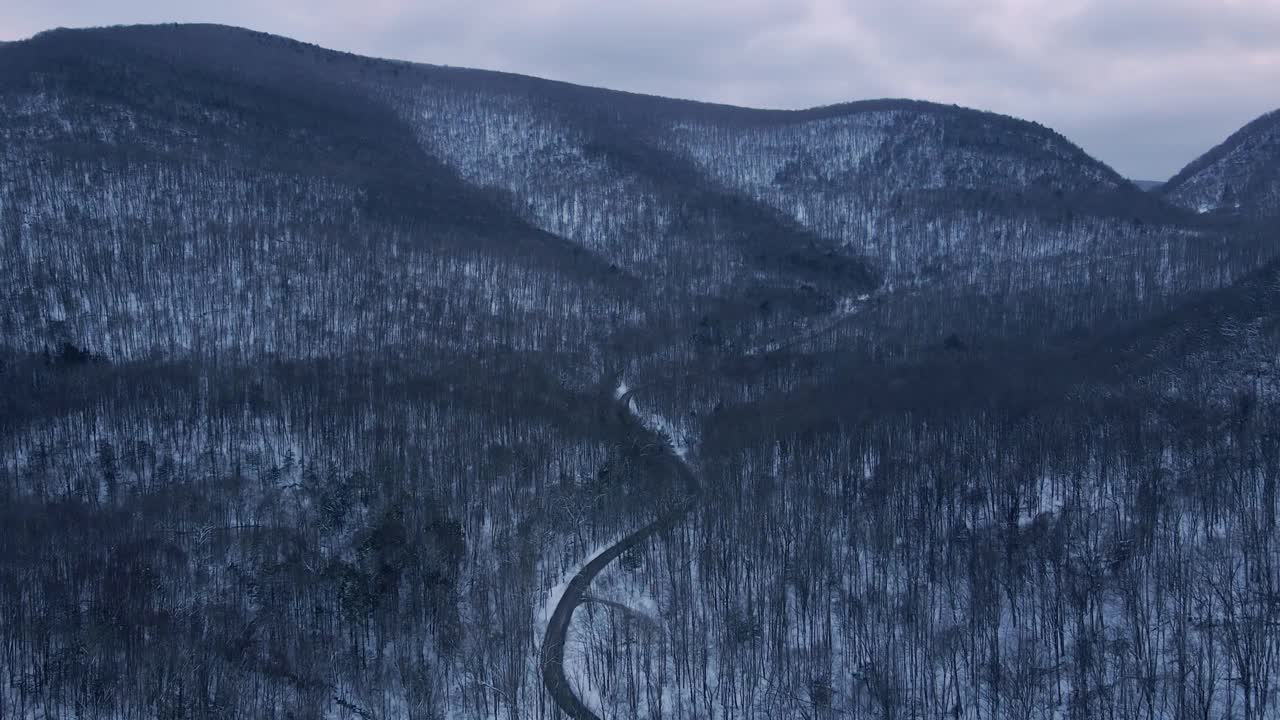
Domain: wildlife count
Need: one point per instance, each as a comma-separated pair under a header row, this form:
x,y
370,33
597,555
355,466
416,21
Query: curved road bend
x,y
552,660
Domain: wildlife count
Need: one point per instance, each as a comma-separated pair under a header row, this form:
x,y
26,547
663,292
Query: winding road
x,y
553,643
577,591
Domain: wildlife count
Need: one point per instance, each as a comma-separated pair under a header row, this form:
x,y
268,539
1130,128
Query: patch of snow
x,y
557,591
678,438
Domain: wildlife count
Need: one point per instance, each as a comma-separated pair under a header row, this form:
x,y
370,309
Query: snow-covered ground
x,y
551,599
680,437
846,308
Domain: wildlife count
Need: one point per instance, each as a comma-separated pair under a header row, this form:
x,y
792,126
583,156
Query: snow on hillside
x,y
1240,176
562,184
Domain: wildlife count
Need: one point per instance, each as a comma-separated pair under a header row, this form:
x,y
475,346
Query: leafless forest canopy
x,y
321,377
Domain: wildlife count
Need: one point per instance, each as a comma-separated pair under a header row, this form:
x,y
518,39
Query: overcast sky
x,y
1145,85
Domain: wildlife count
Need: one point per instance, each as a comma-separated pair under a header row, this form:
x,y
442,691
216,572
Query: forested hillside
x,y
351,388
1240,176
393,175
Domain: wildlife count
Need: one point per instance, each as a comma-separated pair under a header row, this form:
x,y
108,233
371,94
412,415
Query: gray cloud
x,y
1145,85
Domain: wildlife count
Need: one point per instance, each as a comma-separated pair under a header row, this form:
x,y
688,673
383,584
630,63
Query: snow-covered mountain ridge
x,y
247,173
